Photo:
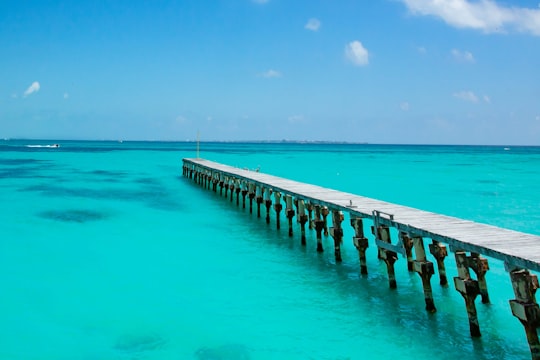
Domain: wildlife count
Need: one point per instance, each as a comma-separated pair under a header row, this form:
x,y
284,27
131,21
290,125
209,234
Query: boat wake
x,y
43,146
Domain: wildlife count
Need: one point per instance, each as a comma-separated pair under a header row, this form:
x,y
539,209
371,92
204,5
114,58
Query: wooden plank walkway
x,y
516,249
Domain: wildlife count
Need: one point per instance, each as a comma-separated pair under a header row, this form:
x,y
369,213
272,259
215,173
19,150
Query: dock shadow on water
x,y
223,352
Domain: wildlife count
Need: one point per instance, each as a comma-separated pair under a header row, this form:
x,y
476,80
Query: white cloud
x,y
357,53
487,99
66,95
181,120
463,56
483,15
422,50
313,24
271,74
466,96
295,119
404,106
32,88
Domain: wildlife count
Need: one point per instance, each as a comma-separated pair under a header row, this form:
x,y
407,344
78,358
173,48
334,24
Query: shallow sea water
x,y
108,253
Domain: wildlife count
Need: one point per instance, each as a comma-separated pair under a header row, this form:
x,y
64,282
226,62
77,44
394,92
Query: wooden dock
x,y
520,252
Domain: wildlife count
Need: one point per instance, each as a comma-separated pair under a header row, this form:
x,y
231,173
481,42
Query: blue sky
x,y
378,71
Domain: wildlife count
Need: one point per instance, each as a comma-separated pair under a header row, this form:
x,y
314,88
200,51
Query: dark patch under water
x,y
139,343
17,162
76,216
224,352
157,197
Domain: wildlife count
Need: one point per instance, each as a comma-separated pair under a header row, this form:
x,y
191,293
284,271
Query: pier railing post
x,y
525,308
469,289
336,231
360,242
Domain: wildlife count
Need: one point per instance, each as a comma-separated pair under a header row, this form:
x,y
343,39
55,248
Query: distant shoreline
x,y
294,142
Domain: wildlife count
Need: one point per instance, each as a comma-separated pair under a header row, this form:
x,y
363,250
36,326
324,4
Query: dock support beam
x,y
238,189
277,208
251,196
289,212
525,308
360,242
324,213
382,233
425,269
309,208
318,223
408,244
439,251
337,233
469,289
244,193
302,218
259,200
480,266
268,203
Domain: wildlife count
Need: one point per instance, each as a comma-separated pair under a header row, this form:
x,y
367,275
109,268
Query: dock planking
x,y
515,249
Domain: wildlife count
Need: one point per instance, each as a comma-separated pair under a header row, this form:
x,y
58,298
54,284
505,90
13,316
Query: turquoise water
x,y
108,253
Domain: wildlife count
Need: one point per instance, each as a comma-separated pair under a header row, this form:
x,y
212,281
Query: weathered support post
x,y
226,186
439,251
408,244
324,213
238,189
215,181
277,208
231,188
289,212
337,233
251,195
244,193
525,308
302,218
425,269
480,266
469,289
360,242
309,208
318,224
259,200
382,233
268,204
221,184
